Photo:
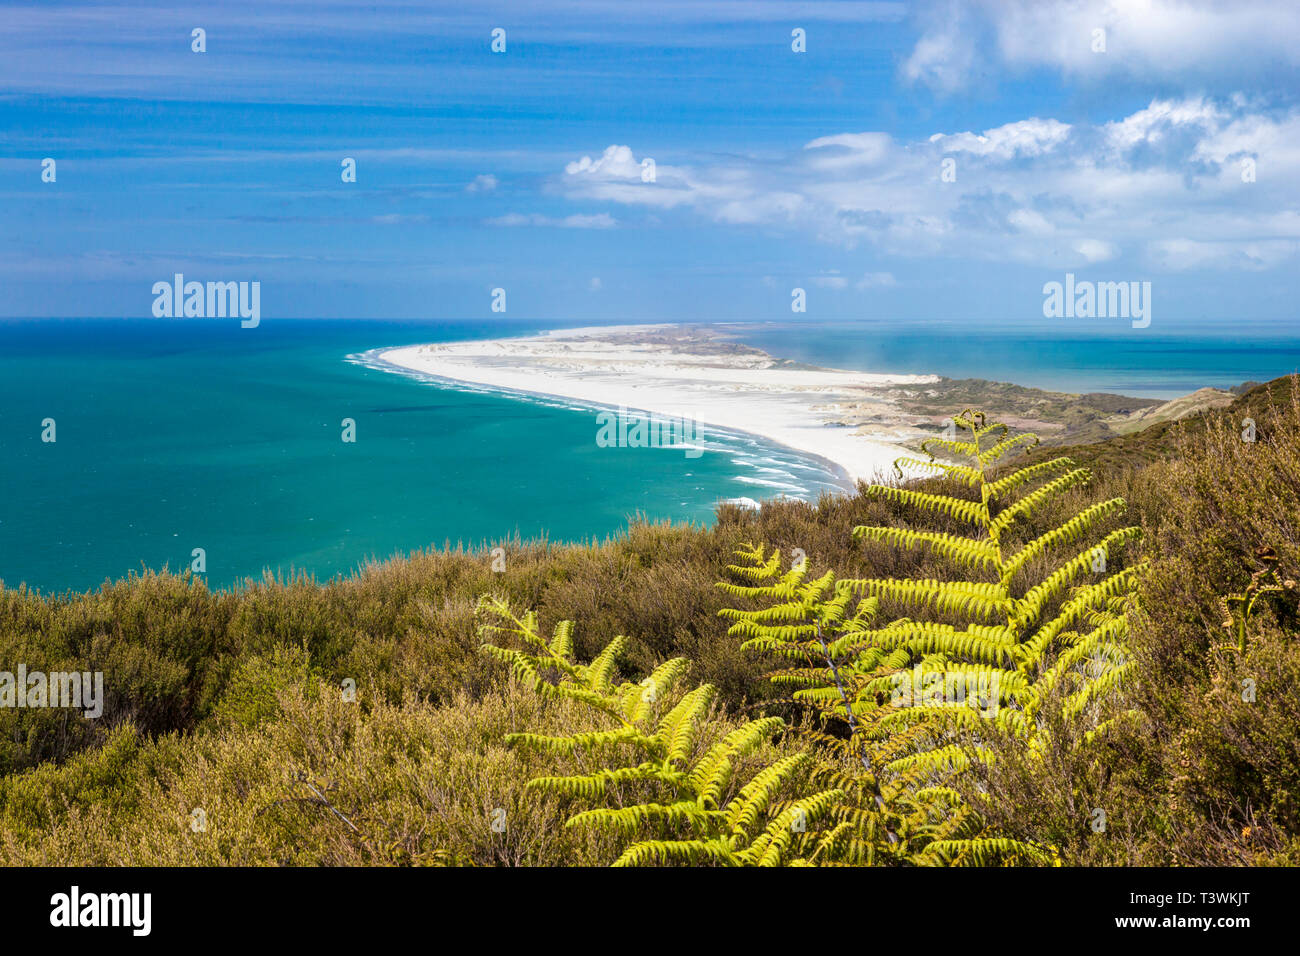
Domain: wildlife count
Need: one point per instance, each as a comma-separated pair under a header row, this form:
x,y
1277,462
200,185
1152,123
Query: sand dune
x,y
689,374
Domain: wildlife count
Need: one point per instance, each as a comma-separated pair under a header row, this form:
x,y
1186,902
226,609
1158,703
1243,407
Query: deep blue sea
x,y
176,435
1145,363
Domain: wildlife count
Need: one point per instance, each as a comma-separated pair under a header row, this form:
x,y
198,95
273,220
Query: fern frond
x,y
629,819
987,851
963,473
959,508
1024,507
968,551
711,773
639,700
600,673
896,757
1030,606
770,847
562,641
597,783
1084,600
990,455
665,852
755,796
962,448
980,601
677,731
1008,483
980,644
1073,529
586,740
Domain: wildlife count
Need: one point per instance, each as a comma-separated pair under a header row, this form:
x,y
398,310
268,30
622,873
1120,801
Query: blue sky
x,y
773,169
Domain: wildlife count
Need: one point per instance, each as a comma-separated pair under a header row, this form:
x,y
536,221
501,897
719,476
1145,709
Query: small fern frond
x,y
952,445
668,852
986,851
1008,483
959,508
1031,502
1068,533
677,731
562,640
600,672
755,796
963,473
630,819
990,455
967,551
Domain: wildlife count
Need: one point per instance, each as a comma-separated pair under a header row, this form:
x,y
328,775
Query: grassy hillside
x,y
1161,439
237,704
1059,418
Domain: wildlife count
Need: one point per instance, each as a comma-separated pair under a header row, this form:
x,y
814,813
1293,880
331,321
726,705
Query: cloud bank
x,y
1180,184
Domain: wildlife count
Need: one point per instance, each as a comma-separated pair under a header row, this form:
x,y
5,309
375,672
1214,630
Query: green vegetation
x,y
1058,417
1144,710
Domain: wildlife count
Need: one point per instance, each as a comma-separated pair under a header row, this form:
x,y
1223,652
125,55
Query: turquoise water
x,y
175,435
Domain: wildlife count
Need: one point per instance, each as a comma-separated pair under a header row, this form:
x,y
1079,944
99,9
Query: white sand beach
x,y
693,374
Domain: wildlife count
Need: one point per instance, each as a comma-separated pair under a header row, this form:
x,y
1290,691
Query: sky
x,y
680,160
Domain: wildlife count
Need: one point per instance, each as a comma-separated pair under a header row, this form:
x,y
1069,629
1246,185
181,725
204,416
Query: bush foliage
x,y
236,703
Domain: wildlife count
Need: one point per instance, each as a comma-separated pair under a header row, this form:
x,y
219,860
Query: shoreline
x,y
839,476
678,372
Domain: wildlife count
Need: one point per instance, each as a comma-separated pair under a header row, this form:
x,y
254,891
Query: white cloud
x,y
616,163
618,176
1149,39
1030,137
1030,221
944,58
760,208
395,218
599,221
1035,191
877,280
1178,255
850,149
1094,250
482,184
1152,125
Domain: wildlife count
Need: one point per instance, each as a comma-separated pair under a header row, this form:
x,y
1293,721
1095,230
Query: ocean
x,y
1145,363
174,435
177,435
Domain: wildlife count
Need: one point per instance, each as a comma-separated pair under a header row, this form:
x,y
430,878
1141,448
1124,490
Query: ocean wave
x,y
769,483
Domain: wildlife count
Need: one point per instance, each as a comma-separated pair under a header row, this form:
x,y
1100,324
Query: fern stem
x,y
984,496
853,733
839,685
